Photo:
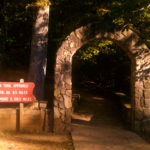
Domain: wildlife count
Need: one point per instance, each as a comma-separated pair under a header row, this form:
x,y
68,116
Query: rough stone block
x,y
63,91
67,101
72,44
138,92
68,115
59,126
147,102
145,125
58,68
138,102
147,84
139,114
147,94
62,111
60,98
61,105
68,86
78,34
56,112
69,92
67,79
147,113
139,85
137,126
57,92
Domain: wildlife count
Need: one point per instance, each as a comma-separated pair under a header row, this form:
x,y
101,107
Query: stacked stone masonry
x,y
137,51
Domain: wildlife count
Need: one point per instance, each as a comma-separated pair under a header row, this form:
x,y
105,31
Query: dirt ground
x,y
99,125
24,141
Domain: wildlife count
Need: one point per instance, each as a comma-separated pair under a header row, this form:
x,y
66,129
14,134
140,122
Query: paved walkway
x,y
101,128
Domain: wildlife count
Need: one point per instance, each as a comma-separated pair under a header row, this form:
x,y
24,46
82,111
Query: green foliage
x,y
94,48
15,32
108,68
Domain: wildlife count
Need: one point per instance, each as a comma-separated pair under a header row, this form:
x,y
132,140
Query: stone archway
x,y
139,54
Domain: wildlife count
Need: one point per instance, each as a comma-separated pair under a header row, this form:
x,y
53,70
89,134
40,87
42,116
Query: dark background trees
x,y
15,33
17,20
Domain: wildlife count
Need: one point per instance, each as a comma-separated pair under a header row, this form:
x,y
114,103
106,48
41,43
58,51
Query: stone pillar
x,y
147,93
145,125
63,84
142,92
138,106
142,106
63,96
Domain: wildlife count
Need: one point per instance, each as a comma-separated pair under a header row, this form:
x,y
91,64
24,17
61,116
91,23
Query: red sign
x,y
16,92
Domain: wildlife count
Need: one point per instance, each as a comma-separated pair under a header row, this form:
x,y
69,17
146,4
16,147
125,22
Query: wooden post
x,y
21,107
20,112
18,119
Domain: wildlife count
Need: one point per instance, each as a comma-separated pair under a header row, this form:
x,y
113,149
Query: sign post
x,y
17,92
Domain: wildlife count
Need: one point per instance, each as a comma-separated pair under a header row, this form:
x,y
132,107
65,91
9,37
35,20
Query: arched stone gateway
x,y
139,54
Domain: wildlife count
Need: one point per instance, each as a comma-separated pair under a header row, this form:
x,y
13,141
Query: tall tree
x,y
39,48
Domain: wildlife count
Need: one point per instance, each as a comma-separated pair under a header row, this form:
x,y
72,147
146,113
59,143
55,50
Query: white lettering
x,y
1,92
7,85
23,92
20,85
7,92
26,99
3,98
14,92
16,98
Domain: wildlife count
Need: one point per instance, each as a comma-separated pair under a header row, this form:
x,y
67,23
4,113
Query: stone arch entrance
x,y
137,51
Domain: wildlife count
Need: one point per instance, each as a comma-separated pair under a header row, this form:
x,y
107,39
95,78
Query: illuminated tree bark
x,y
37,69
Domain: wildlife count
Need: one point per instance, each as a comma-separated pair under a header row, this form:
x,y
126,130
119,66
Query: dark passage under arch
x,y
101,73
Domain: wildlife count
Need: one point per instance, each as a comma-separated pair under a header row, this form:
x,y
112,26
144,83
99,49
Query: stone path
x,y
105,130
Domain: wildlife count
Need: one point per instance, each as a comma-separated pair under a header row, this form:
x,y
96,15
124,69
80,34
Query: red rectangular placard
x,y
16,92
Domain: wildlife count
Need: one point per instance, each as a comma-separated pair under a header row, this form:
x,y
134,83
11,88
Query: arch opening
x,y
103,64
101,73
140,73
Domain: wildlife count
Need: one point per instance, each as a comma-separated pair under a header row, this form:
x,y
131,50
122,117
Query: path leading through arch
x,y
104,128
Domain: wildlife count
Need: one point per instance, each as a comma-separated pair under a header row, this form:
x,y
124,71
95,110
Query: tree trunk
x,y
37,70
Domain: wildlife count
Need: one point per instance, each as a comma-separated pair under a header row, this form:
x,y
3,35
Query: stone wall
x,y
142,107
137,51
8,119
24,120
